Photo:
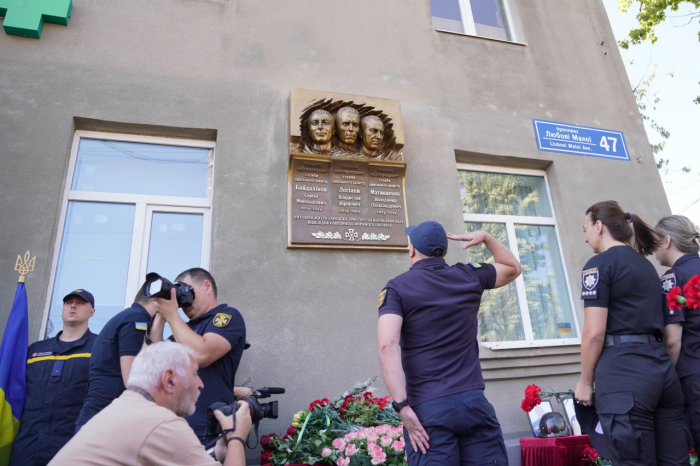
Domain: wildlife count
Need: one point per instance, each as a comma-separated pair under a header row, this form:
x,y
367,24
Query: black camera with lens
x,y
258,410
159,287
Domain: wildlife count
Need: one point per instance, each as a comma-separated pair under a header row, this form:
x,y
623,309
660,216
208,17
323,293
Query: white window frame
x,y
145,205
510,221
465,10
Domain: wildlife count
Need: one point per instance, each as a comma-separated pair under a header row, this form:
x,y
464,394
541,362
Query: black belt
x,y
611,340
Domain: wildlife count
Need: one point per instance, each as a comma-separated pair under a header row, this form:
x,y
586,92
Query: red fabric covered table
x,y
560,451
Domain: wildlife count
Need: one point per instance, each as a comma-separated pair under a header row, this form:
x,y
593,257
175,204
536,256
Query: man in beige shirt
x,y
146,425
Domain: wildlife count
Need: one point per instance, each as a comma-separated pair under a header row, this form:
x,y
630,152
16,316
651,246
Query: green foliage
x,y
651,14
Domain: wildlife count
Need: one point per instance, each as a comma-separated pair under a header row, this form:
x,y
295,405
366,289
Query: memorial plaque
x,y
346,172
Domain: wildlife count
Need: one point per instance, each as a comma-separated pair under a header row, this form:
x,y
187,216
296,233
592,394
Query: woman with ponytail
x,y
679,250
637,393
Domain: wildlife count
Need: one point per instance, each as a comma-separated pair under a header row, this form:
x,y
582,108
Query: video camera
x,y
258,410
159,287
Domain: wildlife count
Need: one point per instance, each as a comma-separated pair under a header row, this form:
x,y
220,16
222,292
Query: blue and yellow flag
x,y
13,363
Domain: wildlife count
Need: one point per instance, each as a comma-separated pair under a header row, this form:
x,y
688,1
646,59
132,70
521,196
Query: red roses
x,y
322,402
532,398
590,454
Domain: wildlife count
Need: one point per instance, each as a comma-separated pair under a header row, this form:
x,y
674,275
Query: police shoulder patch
x,y
221,319
590,278
668,281
382,297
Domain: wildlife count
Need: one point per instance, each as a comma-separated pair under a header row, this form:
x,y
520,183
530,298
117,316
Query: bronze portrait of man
x,y
371,136
347,122
321,130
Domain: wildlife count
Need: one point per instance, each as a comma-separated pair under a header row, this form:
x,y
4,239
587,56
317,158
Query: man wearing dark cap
x,y
57,378
428,349
116,347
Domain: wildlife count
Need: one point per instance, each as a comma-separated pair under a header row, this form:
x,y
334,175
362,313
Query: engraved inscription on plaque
x,y
346,174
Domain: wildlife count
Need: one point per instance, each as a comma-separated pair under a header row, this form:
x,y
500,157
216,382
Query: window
x,y
483,18
536,309
133,205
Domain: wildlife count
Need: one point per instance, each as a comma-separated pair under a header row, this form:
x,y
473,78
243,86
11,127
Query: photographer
x,y
145,424
216,334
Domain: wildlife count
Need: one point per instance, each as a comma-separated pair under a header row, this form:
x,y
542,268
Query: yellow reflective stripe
x,y
58,358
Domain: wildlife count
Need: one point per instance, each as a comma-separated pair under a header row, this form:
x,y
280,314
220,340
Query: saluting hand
x,y
472,238
418,435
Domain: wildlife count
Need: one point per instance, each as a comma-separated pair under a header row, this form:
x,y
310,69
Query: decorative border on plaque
x,y
351,235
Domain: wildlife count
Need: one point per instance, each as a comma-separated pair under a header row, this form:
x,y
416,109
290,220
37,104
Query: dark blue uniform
x,y
218,377
122,336
637,393
57,378
688,365
440,357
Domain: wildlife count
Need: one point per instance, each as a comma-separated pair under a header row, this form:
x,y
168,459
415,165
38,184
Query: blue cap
x,y
82,294
429,238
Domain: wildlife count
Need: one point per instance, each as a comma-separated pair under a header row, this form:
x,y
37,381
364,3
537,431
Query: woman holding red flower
x,y
637,394
679,250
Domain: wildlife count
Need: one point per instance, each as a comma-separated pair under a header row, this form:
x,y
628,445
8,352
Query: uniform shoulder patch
x,y
221,319
476,265
668,281
590,278
141,325
382,297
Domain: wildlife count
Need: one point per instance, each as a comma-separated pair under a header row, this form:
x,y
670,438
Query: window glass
x,y
543,273
499,313
176,243
446,15
504,194
489,19
137,168
94,256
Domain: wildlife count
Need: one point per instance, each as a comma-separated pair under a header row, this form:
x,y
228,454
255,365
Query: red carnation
x,y
290,432
589,453
322,402
532,398
674,299
692,452
691,290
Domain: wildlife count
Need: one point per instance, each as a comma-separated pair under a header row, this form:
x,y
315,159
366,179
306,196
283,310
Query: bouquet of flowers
x,y
534,396
689,296
353,429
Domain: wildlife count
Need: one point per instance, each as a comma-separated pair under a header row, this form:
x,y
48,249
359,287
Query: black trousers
x,y
691,394
640,404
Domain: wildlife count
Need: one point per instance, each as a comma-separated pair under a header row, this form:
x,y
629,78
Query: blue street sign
x,y
580,140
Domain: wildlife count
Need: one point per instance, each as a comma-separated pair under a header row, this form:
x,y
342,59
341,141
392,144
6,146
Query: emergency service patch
x,y
141,325
45,353
382,297
475,265
221,319
668,281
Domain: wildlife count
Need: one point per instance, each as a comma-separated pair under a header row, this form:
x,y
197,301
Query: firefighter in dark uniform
x,y
637,393
116,347
679,250
57,377
215,332
429,353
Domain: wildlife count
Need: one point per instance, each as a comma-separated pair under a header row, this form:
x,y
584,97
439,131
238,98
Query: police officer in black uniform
x,y
679,250
430,313
57,378
116,347
216,333
637,393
